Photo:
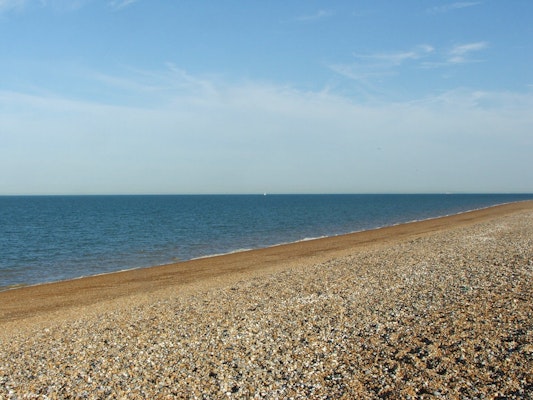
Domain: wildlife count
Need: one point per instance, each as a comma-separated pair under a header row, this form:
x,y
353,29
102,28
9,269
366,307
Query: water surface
x,y
50,238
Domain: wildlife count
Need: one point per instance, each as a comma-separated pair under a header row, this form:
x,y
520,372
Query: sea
x,y
53,238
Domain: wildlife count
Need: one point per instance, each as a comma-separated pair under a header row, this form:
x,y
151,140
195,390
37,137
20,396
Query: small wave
x,y
306,239
220,254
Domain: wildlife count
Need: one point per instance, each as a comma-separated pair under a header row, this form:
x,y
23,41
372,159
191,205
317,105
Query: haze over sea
x,y
51,238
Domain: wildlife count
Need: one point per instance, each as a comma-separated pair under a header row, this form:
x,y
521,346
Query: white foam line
x,y
221,254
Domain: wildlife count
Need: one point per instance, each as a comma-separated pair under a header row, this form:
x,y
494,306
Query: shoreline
x,y
441,308
87,290
208,256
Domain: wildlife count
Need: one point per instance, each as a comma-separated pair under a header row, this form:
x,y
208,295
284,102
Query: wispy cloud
x,y
321,14
60,5
453,6
397,58
358,72
120,4
370,72
11,5
459,53
369,66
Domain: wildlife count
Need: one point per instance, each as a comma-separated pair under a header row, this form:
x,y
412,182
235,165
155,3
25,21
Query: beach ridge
x,y
20,302
436,308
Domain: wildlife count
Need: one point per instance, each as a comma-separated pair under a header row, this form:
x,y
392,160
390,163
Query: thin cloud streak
x,y
462,49
321,14
423,56
378,65
397,58
21,5
453,6
459,54
120,4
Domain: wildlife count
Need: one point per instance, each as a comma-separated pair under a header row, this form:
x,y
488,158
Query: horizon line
x,y
261,194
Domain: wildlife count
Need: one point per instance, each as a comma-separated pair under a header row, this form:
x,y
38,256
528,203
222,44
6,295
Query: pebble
x,y
448,315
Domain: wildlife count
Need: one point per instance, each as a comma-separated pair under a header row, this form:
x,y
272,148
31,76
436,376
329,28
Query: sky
x,y
249,96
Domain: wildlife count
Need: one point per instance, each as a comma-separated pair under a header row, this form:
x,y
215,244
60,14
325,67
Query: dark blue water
x,y
52,238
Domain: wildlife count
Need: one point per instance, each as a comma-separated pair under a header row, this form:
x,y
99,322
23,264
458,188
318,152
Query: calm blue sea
x,y
53,238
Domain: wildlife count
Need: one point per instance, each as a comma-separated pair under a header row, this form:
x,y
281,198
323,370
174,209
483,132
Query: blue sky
x,y
138,96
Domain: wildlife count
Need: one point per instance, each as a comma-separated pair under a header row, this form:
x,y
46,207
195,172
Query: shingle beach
x,y
434,309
